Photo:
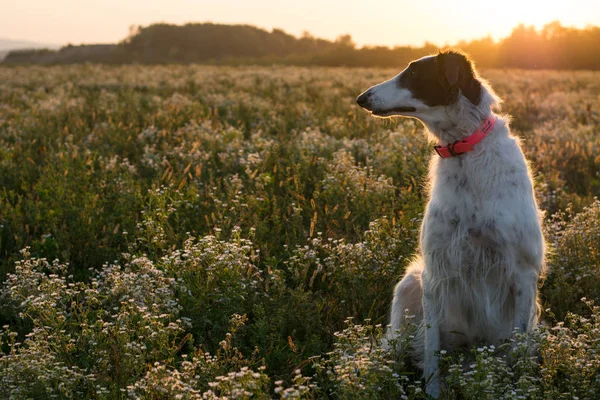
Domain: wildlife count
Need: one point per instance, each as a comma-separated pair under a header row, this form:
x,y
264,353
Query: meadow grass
x,y
203,232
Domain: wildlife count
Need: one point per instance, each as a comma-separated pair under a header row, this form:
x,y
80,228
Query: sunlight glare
x,y
503,18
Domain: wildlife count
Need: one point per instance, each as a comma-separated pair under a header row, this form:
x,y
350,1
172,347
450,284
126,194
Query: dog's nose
x,y
363,99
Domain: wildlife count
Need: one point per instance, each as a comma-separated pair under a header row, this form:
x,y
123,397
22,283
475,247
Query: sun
x,y
502,19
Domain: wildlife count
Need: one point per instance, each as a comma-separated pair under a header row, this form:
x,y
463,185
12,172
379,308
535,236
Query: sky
x,y
380,22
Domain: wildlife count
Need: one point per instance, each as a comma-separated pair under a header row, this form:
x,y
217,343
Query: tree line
x,y
552,47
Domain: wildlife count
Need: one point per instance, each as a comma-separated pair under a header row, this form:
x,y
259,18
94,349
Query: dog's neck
x,y
448,131
459,120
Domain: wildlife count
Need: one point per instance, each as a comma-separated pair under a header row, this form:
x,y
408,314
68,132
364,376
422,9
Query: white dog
x,y
481,247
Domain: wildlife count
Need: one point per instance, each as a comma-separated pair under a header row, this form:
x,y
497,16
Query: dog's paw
x,y
433,388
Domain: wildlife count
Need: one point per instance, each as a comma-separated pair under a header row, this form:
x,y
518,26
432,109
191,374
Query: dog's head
x,y
424,87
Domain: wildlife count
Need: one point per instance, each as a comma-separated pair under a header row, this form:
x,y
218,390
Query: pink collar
x,y
466,145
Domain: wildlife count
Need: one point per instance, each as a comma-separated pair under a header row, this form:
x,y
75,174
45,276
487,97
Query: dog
x,y
475,276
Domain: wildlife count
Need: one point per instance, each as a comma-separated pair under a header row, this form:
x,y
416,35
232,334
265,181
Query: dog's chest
x,y
456,201
458,227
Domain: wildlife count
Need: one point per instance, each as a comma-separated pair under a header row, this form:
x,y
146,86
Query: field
x,y
200,232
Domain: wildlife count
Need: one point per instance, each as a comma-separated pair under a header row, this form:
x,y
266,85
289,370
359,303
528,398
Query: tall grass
x,y
200,232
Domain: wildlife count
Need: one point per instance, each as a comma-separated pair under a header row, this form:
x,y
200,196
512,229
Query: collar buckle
x,y
451,149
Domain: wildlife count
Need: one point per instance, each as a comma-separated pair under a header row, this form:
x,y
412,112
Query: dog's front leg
x,y
432,342
525,289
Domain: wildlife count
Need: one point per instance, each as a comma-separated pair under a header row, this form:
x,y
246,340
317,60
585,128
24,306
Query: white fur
x,y
481,252
388,95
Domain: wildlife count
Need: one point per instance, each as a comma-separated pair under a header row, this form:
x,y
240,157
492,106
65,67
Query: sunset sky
x,y
385,22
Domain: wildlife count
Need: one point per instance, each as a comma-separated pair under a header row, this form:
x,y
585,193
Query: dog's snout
x,y
364,99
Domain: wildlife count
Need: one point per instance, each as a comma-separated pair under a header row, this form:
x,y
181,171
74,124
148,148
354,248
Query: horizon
x,y
65,22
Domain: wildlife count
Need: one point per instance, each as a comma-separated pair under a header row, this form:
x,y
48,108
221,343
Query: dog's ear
x,y
457,72
451,68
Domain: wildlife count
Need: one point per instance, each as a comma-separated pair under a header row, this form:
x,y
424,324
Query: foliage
x,y
358,367
203,232
575,272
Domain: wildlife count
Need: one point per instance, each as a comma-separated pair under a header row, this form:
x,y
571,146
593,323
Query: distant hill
x,y
190,43
212,42
8,45
553,47
12,44
94,53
